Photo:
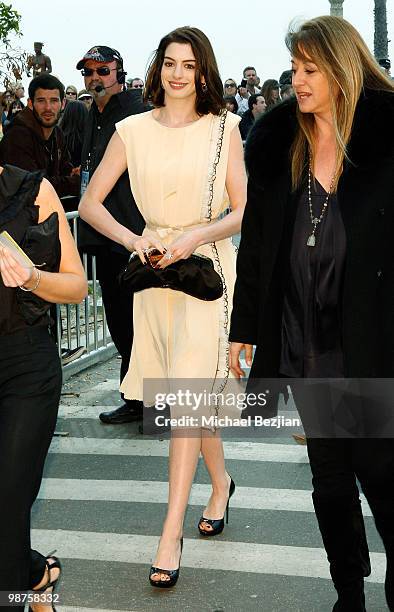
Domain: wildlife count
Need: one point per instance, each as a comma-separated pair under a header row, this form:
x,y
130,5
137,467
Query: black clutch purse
x,y
195,276
42,244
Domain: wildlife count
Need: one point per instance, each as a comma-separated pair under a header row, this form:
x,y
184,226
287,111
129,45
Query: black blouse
x,y
18,192
311,323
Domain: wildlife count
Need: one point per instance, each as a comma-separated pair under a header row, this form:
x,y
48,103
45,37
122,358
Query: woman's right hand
x,y
235,350
140,244
13,273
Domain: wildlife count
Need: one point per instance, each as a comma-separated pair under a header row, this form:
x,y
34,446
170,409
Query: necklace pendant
x,y
315,221
311,241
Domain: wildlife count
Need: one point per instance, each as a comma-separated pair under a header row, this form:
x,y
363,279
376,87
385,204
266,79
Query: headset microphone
x,y
100,90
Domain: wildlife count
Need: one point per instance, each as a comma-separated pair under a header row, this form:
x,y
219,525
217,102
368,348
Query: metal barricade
x,y
83,325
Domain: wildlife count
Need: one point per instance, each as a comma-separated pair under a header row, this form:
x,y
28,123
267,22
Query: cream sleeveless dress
x,y
177,176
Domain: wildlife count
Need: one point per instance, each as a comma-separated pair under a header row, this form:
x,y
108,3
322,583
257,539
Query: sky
x,y
249,32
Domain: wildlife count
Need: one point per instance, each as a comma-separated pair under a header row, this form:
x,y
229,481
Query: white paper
x,y
8,242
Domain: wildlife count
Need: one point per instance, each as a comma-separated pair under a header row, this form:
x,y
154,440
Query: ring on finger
x,y
169,256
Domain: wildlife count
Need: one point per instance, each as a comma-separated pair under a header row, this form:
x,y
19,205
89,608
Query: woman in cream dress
x,y
185,162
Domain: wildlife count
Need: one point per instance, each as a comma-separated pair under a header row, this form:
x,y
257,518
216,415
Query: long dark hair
x,y
209,101
73,125
266,91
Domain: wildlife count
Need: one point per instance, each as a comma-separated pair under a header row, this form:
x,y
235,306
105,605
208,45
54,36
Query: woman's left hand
x,y
181,248
12,273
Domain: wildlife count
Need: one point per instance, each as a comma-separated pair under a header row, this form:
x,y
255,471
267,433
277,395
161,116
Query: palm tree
x,y
381,50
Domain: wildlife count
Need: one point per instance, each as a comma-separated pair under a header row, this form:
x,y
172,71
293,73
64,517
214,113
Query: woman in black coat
x,y
315,279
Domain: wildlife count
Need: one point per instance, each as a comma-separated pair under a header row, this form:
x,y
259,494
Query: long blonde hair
x,y
340,53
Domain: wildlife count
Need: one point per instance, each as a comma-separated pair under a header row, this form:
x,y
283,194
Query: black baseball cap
x,y
100,53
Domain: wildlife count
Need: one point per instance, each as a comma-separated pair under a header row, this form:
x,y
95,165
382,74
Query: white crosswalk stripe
x,y
83,411
241,451
215,555
148,491
86,490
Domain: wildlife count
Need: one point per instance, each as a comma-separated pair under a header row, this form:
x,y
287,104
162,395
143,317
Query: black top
x,y
120,201
311,323
246,124
18,192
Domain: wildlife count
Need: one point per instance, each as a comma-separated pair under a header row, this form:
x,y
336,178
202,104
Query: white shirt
x,y
243,102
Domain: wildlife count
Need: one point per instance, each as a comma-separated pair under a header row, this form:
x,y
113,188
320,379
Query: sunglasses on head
x,y
102,71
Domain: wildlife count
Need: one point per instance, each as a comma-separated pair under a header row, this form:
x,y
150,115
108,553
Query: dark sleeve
x,y
245,313
64,184
17,149
388,307
243,128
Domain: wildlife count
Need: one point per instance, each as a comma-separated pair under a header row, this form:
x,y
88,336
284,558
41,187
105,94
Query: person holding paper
x,y
30,372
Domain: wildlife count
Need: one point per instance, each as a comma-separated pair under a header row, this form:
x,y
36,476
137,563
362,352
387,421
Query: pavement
x,y
103,501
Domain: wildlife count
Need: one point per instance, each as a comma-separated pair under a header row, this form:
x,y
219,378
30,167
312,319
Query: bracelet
x,y
37,283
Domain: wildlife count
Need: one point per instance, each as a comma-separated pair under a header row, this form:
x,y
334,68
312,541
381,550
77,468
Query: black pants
x,y
335,465
118,304
30,384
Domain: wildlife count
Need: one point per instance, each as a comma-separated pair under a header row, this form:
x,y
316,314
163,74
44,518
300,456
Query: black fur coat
x,y
366,200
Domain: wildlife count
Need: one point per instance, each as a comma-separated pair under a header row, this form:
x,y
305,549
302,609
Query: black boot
x,y
342,528
351,598
389,582
383,513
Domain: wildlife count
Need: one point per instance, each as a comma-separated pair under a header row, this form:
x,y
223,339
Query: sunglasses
x,y
71,93
230,85
138,87
102,71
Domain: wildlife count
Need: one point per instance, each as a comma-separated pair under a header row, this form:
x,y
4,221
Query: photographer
x,y
242,97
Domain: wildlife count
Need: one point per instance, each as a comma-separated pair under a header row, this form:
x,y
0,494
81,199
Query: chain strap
x,y
212,179
216,160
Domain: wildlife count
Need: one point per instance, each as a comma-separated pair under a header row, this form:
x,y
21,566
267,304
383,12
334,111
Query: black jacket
x,y
246,124
24,146
366,200
120,201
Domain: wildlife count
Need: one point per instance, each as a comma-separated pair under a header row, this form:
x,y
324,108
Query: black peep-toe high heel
x,y
216,524
50,583
172,574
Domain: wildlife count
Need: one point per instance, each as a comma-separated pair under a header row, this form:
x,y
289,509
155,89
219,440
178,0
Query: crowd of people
x,y
236,97
153,167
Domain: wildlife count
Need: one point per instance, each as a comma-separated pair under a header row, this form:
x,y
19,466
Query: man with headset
x,y
102,69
